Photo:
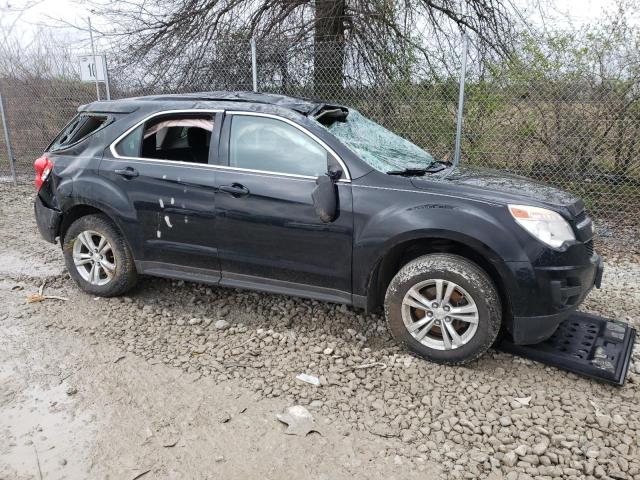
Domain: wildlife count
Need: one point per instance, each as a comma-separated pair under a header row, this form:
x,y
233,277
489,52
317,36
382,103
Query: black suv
x,y
307,198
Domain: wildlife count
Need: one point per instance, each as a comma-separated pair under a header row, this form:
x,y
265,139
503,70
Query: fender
x,y
481,227
97,192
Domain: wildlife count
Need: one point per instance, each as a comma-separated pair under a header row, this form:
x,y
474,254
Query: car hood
x,y
495,185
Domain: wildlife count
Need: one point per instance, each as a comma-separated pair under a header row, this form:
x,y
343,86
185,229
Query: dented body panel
x,y
179,221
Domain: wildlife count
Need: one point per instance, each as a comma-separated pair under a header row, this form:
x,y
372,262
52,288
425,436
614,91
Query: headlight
x,y
546,225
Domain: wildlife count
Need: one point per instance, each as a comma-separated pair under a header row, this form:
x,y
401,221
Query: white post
x,y
106,76
254,64
93,52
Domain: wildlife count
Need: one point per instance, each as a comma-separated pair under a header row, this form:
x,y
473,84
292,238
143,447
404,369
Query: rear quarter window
x,y
82,126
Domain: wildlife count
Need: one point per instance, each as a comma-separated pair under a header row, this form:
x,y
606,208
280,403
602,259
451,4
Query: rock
x,y
495,475
591,451
221,325
618,419
504,421
603,420
195,321
72,391
328,351
510,459
384,430
539,449
521,451
478,456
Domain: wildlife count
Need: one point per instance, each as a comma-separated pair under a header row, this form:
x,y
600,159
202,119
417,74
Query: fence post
x,y
7,140
254,64
463,75
106,77
93,52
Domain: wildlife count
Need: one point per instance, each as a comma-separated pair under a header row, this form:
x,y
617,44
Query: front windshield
x,y
383,150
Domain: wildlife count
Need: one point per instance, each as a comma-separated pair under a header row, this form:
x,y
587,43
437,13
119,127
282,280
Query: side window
x,y
129,146
182,137
78,129
267,144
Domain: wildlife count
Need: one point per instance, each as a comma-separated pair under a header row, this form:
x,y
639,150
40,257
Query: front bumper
x,y
48,220
557,292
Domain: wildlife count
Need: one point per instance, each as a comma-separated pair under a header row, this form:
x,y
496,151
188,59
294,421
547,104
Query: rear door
x,y
269,234
163,167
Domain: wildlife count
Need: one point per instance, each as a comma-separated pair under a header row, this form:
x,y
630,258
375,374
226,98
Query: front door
x,y
269,235
163,168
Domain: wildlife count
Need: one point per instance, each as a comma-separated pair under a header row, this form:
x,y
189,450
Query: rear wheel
x,y
98,257
444,308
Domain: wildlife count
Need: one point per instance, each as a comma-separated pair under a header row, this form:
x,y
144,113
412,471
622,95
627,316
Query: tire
x,y
116,273
474,310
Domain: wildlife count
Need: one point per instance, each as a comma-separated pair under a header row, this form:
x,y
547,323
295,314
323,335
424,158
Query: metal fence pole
x,y
106,76
463,75
93,52
254,64
7,140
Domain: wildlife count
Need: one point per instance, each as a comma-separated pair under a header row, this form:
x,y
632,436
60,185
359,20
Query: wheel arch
x,y
79,210
407,250
73,214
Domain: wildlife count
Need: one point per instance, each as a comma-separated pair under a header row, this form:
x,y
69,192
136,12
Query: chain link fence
x,y
575,131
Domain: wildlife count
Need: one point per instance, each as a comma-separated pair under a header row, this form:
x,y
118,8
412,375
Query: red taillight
x,y
43,167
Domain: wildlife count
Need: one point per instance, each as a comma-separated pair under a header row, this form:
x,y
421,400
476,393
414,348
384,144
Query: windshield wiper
x,y
408,172
434,167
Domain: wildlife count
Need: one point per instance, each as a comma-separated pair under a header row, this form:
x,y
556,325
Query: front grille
x,y
589,246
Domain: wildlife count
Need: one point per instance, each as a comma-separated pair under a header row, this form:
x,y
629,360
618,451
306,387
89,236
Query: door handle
x,y
127,172
235,189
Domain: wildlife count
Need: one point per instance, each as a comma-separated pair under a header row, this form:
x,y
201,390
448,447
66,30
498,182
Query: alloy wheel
x,y
440,314
93,257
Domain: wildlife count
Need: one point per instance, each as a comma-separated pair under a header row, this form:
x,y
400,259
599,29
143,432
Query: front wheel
x,y
98,257
444,308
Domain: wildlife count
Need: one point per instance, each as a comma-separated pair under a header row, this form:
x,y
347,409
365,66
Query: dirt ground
x,y
184,381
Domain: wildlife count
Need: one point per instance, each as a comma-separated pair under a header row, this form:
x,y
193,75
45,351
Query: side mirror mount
x,y
325,197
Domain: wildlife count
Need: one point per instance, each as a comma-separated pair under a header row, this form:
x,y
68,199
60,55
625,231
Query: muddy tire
x,y
443,307
98,257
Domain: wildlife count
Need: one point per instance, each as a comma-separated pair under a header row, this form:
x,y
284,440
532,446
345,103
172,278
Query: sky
x,y
55,13
581,11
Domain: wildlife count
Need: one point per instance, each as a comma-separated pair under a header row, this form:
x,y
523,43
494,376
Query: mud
x,y
75,406
184,381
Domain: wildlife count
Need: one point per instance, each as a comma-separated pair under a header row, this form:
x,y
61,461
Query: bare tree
x,y
173,39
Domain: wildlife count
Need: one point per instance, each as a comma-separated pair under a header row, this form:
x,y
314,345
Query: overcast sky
x,y
560,13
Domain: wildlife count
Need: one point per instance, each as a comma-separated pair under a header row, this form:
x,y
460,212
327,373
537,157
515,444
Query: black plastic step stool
x,y
584,344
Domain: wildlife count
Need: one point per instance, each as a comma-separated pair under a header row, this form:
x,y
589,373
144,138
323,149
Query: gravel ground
x,y
500,417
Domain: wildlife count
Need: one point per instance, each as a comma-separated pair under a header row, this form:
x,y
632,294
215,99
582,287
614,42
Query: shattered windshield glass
x,y
383,150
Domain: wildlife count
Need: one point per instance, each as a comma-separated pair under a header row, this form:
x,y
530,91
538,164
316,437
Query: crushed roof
x,y
305,106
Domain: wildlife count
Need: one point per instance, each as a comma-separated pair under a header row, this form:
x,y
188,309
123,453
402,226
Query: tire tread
x,y
460,266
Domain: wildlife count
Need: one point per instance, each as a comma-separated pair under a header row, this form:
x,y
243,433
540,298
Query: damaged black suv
x,y
307,198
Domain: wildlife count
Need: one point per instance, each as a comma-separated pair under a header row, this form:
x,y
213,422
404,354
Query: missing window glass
x,y
184,138
77,130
